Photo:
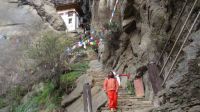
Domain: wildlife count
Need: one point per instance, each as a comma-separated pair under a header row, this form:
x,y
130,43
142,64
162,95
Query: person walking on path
x,y
111,87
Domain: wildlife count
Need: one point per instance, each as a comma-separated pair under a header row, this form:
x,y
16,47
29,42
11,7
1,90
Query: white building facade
x,y
71,19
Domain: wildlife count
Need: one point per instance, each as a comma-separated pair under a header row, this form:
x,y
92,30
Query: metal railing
x,y
178,54
178,37
171,34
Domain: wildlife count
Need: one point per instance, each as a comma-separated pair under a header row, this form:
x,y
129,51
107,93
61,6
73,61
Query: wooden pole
x,y
87,98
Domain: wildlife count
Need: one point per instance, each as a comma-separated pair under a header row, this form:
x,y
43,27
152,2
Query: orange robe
x,y
111,87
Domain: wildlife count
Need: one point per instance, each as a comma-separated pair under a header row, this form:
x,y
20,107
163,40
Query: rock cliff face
x,y
182,92
21,22
20,25
146,25
46,10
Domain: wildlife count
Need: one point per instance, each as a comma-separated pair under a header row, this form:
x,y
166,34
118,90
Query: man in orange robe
x,y
111,87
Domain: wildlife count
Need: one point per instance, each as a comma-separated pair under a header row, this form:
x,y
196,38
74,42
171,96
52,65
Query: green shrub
x,y
113,26
130,88
30,106
47,53
2,102
48,100
80,66
43,97
68,80
15,95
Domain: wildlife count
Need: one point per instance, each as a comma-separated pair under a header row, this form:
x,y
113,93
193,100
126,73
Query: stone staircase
x,y
126,101
129,103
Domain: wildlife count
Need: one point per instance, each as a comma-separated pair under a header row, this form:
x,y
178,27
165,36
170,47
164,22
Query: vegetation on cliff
x,y
56,75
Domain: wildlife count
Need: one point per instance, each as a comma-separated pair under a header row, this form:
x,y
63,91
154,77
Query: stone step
x,y
98,85
130,97
133,104
128,104
99,75
102,77
123,93
98,82
123,108
98,79
130,100
126,95
135,101
135,110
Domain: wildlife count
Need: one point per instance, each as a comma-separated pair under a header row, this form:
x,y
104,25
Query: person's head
x,y
111,75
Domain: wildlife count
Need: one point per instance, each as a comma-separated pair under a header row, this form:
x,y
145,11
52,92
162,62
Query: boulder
x,y
129,25
48,13
77,92
194,109
98,99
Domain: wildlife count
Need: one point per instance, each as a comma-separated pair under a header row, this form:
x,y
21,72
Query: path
x,y
126,102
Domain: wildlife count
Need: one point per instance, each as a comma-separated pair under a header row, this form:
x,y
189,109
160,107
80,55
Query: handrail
x,y
168,74
163,50
178,37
